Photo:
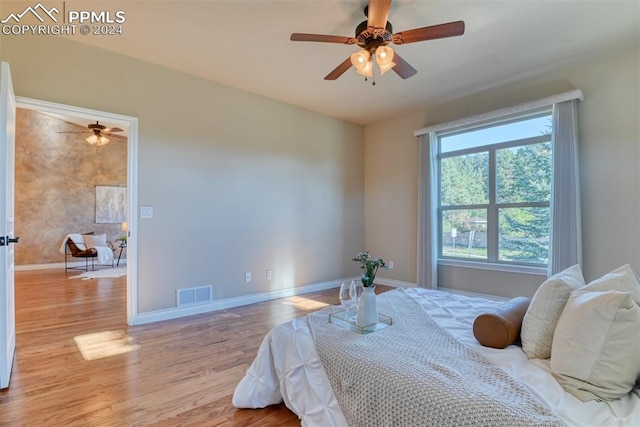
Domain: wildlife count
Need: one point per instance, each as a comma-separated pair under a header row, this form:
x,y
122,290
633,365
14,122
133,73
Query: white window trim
x,y
493,266
503,112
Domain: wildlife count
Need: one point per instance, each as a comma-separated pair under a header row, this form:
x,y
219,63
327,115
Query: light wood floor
x,y
175,373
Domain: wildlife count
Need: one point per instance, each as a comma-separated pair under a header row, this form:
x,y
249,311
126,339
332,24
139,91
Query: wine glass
x,y
346,297
355,290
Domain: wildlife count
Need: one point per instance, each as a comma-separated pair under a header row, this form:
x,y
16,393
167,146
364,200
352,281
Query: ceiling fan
x,y
373,36
98,133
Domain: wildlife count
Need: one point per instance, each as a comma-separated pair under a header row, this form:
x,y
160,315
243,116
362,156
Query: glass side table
x,y
343,319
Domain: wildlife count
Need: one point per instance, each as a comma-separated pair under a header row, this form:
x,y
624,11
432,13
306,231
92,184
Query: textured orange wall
x,y
55,180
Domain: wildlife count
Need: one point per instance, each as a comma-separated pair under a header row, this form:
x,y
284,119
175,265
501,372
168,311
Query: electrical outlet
x,y
390,265
247,277
268,274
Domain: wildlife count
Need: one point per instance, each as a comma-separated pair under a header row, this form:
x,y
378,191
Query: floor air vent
x,y
190,296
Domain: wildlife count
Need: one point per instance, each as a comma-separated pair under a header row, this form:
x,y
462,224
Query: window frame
x,y
492,207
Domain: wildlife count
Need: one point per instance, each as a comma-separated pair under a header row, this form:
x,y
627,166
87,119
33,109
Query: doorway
x,y
130,127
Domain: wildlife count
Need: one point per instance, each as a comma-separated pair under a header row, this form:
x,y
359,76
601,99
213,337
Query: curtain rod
x,y
531,105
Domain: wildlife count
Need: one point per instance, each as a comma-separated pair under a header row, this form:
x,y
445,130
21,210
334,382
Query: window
x,y
495,191
514,228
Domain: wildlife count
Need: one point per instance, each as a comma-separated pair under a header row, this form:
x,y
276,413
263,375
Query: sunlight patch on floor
x,y
104,344
304,303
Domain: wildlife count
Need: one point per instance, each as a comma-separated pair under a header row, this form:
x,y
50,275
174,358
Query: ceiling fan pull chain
x,y
373,73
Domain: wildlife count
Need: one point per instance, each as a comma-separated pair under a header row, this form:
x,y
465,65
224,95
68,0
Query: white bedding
x,y
288,369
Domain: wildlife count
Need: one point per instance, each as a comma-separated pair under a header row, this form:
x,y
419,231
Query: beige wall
x,y
391,189
238,182
609,135
55,184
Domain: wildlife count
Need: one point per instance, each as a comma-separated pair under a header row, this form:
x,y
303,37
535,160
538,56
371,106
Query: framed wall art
x,y
111,204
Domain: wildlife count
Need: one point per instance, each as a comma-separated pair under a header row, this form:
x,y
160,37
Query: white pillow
x,y
94,241
545,309
622,279
596,346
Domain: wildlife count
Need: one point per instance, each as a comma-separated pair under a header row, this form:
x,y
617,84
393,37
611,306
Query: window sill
x,y
509,268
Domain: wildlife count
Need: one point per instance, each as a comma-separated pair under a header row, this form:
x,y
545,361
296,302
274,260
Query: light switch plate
x,y
146,212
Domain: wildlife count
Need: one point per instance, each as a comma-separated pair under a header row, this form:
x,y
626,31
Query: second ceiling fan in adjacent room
x,y
98,133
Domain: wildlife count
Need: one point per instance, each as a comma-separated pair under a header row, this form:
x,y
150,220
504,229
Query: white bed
x,y
287,368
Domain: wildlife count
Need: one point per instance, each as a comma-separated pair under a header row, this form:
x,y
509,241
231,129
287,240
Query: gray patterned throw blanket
x,y
414,373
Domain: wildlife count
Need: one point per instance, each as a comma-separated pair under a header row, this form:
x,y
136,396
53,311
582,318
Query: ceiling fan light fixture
x,y
102,140
360,59
386,67
98,140
384,55
367,70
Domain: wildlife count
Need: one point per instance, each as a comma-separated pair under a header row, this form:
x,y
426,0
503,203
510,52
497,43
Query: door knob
x,y
12,239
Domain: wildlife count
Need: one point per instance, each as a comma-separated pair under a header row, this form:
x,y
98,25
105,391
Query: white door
x,y
7,159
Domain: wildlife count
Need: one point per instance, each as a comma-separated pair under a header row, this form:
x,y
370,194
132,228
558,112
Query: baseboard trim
x,y
49,266
54,265
175,313
395,283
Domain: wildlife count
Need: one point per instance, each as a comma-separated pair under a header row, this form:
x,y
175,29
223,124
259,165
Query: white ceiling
x,y
245,44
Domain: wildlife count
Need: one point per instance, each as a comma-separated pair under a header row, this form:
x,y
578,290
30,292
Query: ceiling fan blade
x,y
440,31
110,130
303,37
339,70
378,13
402,67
